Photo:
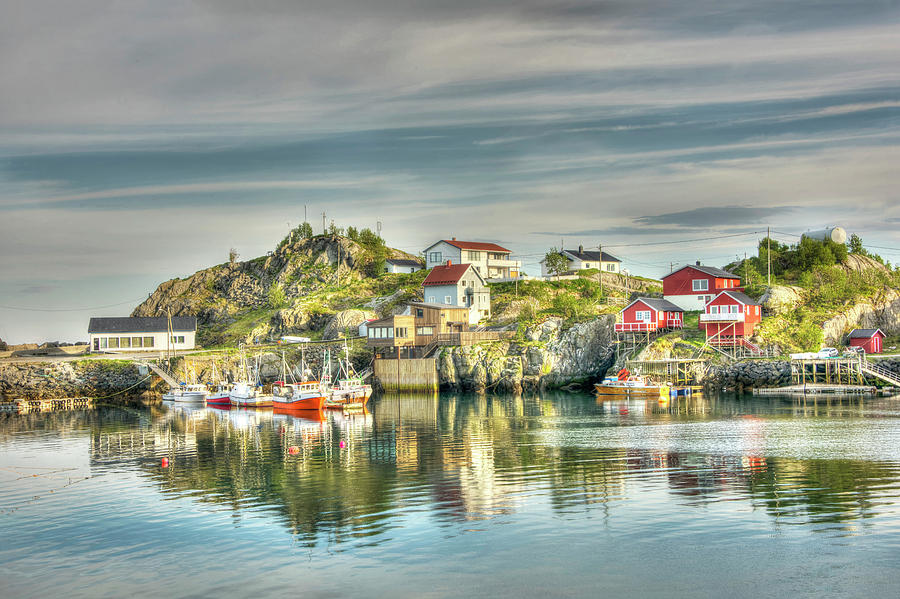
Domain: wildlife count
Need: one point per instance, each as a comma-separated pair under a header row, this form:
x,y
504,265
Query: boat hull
x,y
627,391
300,403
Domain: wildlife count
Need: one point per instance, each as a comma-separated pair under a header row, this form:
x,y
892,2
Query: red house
x,y
692,287
870,340
729,316
650,314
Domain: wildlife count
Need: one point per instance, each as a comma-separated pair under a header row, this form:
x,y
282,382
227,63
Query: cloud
x,y
715,216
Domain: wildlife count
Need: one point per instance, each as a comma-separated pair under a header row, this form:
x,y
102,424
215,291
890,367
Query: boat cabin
x,y
650,314
692,287
730,315
870,340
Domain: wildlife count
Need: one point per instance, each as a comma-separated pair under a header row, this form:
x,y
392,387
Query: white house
x,y
489,260
147,333
458,285
583,260
396,265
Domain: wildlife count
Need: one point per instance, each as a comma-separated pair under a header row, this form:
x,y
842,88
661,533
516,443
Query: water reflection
x,y
828,465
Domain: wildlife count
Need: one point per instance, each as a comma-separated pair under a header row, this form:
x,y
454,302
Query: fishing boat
x,y
248,391
188,392
221,396
288,393
194,392
628,384
349,389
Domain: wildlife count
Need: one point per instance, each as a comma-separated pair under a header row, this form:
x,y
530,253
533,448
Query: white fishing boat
x,y
248,390
188,392
349,388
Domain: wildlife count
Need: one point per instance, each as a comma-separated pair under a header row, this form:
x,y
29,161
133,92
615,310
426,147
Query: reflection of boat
x,y
285,411
307,395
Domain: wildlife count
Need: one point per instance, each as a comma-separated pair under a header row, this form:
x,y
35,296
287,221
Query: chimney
x,y
449,262
698,263
580,249
453,238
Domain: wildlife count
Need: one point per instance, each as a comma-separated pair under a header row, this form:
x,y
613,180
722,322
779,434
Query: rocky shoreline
x,y
78,378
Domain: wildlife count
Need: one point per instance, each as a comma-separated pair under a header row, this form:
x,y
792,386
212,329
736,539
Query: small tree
x,y
233,255
855,245
277,299
556,262
352,233
305,231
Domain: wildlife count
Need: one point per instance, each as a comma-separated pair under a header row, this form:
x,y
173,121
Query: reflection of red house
x,y
692,287
650,314
730,315
870,340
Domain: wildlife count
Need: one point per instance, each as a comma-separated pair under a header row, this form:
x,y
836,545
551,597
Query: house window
x,y
114,342
756,310
103,343
137,341
400,332
371,333
587,264
178,339
700,284
474,256
642,315
124,341
714,309
435,257
447,299
424,330
148,341
611,267
420,313
432,299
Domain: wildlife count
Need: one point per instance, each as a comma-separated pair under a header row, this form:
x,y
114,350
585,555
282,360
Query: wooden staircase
x,y
879,372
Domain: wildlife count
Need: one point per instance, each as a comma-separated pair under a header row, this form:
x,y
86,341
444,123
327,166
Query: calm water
x,y
558,496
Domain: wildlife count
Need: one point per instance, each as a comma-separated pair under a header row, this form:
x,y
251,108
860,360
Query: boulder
x,y
346,321
780,299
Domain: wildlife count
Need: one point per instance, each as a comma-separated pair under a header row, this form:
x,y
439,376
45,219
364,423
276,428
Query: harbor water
x,y
556,495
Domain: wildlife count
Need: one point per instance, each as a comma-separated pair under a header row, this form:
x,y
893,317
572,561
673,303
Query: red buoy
x,y
342,444
293,449
164,463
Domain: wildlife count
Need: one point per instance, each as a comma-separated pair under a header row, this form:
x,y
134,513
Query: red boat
x,y
298,396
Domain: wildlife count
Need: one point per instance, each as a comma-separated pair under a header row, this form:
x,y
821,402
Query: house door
x,y
96,344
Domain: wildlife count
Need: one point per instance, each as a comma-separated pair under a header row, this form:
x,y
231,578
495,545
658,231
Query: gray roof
x,y
864,333
142,324
436,305
591,255
710,270
403,262
742,297
658,304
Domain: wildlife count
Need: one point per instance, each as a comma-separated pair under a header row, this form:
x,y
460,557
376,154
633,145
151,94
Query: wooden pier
x,y
818,389
411,374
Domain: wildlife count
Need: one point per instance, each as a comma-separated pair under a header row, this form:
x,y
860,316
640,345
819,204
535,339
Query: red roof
x,y
445,275
476,245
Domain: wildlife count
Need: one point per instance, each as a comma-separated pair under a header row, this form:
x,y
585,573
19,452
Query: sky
x,y
140,140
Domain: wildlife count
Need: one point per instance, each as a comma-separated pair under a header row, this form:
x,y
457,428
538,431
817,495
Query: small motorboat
x,y
349,390
187,393
288,393
222,394
626,383
247,392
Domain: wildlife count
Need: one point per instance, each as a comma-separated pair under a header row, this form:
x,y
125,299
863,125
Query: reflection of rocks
x,y
549,356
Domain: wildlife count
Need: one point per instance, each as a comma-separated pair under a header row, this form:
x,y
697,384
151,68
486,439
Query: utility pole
x,y
671,267
769,256
746,271
324,227
304,213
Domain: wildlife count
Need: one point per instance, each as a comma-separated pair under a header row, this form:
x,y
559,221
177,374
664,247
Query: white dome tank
x,y
835,234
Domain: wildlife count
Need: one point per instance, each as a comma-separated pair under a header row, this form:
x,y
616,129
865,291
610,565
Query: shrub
x,y
277,298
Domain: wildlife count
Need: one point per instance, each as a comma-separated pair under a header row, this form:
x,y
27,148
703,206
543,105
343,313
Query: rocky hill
x,y
301,286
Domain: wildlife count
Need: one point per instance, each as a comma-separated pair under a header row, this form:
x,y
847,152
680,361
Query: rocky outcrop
x,y
547,355
83,378
881,313
300,267
346,323
749,374
781,299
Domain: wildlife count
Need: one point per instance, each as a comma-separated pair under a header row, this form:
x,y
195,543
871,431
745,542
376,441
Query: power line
x,y
70,309
683,240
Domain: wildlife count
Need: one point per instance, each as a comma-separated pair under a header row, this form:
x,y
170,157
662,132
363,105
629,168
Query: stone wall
x,y
749,374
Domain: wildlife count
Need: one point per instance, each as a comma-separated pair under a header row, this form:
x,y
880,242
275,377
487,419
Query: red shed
x,y
692,287
730,315
650,314
870,340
